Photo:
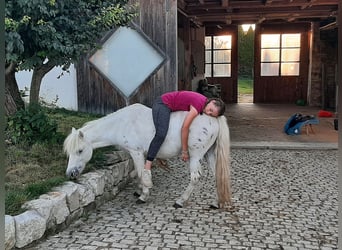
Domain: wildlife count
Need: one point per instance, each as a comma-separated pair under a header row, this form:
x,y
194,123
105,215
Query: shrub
x,y
32,125
32,169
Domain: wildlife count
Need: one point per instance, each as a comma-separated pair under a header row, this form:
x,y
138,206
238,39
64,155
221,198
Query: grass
x,y
16,197
32,170
245,86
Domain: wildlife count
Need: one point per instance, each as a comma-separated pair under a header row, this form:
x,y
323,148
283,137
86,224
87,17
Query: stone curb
x,y
56,210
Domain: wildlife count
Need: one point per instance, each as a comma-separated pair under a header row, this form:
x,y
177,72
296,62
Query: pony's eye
x,y
80,151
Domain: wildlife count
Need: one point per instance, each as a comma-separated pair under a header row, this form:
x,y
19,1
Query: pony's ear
x,y
73,130
80,134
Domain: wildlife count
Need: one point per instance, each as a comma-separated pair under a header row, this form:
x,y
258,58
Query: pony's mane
x,y
71,143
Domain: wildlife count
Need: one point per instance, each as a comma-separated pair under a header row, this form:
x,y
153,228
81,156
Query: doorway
x,y
246,63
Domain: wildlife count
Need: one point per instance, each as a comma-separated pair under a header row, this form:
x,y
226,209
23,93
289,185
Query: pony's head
x,y
79,151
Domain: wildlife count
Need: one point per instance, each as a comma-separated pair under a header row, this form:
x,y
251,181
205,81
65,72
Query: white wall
x,y
65,88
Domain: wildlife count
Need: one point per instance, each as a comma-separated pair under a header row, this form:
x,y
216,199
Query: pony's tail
x,y
223,183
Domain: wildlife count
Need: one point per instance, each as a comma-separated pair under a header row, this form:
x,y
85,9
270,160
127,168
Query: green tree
x,y
42,34
246,53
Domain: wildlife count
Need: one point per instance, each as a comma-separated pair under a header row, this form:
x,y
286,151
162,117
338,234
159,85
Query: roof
x,y
226,12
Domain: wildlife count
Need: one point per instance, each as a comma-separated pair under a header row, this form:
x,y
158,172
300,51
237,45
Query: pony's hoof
x,y
139,201
136,194
176,205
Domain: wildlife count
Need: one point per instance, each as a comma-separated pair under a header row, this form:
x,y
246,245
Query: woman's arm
x,y
185,131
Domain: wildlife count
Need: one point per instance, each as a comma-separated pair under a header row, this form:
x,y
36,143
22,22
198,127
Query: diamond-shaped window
x,y
127,58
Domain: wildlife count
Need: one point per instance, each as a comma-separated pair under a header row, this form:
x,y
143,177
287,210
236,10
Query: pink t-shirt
x,y
181,100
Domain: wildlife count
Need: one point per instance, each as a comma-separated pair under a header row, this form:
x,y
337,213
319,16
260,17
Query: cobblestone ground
x,y
282,200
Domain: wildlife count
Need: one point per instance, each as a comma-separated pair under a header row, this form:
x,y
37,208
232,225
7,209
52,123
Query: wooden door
x,y
281,87
228,83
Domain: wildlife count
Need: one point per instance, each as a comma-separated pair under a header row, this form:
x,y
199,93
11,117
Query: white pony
x,y
132,129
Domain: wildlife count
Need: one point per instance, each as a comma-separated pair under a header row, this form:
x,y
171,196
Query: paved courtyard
x,y
283,199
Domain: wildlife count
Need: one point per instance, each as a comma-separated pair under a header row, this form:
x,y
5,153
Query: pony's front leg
x,y
195,173
138,160
144,195
139,189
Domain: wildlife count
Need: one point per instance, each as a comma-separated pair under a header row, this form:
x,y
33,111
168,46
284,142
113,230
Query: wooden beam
x,y
261,19
228,20
225,3
308,5
257,4
239,17
252,10
319,12
332,25
181,5
292,17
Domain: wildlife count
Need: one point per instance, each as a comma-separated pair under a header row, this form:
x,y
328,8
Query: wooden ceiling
x,y
226,12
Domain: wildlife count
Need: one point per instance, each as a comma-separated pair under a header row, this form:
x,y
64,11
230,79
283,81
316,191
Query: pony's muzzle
x,y
73,174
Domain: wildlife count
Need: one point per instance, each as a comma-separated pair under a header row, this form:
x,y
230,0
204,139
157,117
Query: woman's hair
x,y
218,103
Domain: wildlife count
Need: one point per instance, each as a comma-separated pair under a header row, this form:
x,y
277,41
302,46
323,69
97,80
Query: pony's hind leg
x,y
195,173
186,195
211,161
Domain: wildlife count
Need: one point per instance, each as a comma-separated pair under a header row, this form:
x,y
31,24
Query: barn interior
x,y
303,72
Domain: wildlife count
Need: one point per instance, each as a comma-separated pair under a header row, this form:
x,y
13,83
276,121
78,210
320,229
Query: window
x,y
218,50
127,57
280,54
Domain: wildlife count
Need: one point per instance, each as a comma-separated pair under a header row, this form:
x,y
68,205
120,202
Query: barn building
x,y
172,45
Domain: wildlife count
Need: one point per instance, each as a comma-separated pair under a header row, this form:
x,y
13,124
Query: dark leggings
x,y
161,119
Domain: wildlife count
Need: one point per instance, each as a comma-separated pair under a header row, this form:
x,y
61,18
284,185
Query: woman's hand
x,y
185,155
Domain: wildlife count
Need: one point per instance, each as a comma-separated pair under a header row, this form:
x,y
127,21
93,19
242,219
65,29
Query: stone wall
x,y
54,211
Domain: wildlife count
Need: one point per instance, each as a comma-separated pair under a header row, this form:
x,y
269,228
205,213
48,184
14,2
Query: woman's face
x,y
211,109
